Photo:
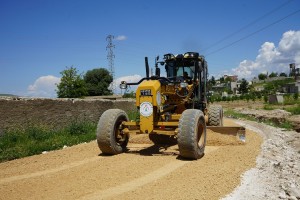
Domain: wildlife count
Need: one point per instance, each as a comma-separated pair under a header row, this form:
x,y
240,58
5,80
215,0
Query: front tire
x,y
111,140
192,134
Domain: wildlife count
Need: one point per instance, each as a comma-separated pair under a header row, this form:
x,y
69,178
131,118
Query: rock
x,y
282,195
294,192
44,152
65,146
292,198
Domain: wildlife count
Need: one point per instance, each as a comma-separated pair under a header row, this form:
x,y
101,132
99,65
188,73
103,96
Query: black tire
x,y
215,115
163,139
109,138
192,134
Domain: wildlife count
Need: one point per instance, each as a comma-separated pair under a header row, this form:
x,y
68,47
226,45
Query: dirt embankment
x,y
277,173
256,110
144,172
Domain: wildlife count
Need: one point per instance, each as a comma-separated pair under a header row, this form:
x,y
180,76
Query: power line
x,y
249,35
248,25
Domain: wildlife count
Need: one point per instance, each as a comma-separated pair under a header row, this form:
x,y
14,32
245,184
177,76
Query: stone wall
x,y
16,112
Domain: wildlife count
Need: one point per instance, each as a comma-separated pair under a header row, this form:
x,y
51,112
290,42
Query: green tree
x,y
283,74
243,89
213,80
262,76
97,82
273,74
71,84
227,80
222,80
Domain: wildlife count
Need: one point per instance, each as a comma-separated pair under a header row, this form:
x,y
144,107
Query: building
x,y
233,78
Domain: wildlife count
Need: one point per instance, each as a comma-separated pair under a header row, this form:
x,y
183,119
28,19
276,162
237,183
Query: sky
x,y
41,38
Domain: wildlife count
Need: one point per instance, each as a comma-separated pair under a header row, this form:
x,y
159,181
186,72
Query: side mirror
x,y
123,85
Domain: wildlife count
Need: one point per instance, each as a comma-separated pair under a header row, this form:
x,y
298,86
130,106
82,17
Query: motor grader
x,y
173,109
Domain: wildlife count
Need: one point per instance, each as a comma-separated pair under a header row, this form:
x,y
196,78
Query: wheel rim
x,y
120,138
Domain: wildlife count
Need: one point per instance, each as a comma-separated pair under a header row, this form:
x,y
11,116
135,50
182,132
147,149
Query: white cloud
x,y
44,86
271,58
129,79
121,37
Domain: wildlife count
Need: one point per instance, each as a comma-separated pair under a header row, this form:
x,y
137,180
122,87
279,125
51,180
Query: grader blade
x,y
238,131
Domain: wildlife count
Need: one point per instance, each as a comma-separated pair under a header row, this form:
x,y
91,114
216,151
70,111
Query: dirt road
x,y
144,172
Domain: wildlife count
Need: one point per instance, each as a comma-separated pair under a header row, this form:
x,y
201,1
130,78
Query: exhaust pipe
x,y
147,67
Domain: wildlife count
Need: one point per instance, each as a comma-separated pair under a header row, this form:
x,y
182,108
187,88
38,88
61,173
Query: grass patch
x,y
133,115
295,110
34,139
236,115
233,114
268,107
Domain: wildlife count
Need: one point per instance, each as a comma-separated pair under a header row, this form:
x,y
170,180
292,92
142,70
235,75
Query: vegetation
x,y
295,110
282,74
273,74
71,84
231,113
94,83
133,115
97,82
34,139
243,89
129,95
276,85
262,76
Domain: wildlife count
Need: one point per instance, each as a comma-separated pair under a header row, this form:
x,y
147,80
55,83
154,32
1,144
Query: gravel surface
x,y
277,172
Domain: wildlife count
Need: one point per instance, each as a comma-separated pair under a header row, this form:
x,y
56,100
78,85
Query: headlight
x,y
123,85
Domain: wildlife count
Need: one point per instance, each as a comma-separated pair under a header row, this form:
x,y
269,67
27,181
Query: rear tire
x,y
110,138
192,134
162,139
215,115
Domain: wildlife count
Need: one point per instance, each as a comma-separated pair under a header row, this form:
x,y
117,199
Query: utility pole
x,y
110,57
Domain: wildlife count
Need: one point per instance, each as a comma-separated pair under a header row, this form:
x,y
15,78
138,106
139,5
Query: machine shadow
x,y
154,150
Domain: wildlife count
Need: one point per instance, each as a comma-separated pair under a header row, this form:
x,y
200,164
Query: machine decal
x,y
145,92
146,109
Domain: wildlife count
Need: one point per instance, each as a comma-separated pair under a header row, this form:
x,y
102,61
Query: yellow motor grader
x,y
173,109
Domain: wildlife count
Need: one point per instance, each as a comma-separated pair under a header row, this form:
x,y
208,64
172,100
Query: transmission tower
x,y
110,58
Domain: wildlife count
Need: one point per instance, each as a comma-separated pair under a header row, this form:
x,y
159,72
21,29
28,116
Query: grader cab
x,y
173,109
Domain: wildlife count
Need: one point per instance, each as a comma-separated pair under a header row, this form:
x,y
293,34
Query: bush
x,y
266,99
296,96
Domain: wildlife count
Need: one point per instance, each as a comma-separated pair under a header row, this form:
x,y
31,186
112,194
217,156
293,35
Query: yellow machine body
x,y
148,99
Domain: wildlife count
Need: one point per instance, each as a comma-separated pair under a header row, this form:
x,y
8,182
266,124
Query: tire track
x,y
48,171
138,182
63,167
131,185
